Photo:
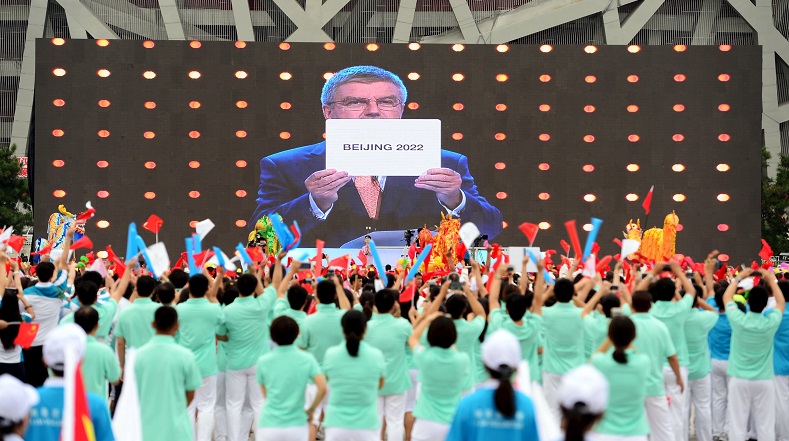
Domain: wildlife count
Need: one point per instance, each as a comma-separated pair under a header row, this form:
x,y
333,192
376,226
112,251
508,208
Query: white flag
x,y
127,423
469,233
203,228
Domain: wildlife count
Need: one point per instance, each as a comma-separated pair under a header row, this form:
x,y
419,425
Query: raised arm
x,y
286,282
413,340
728,296
495,288
3,275
62,262
477,275
473,301
603,290
276,276
539,289
216,282
709,270
522,282
120,288
683,279
342,299
435,304
780,301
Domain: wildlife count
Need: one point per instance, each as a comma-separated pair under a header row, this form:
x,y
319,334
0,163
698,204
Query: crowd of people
x,y
481,352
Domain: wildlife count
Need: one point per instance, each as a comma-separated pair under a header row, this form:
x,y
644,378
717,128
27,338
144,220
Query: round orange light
x,y
195,44
241,193
546,48
194,104
634,48
413,76
500,136
372,47
590,198
544,196
150,165
723,167
678,137
104,73
589,138
458,106
284,46
501,107
678,168
104,103
500,166
194,194
501,195
590,49
724,47
590,79
723,137
588,227
632,108
632,78
103,194
414,46
679,78
284,135
58,193
633,138
724,107
545,78
679,197
148,44
193,224
413,105
457,77
329,46
285,76
241,74
544,225
194,134
58,41
723,227
59,103
150,105
194,164
544,166
632,197
327,76
679,107
241,134
58,163
102,164
502,78
149,74
241,44
544,137
241,104
149,135
285,105
241,163
723,197
102,224
680,47
149,195
194,75
104,133
59,72
544,107
502,48
632,167
241,223
589,109
457,47
102,42
57,133
457,136
588,168
724,77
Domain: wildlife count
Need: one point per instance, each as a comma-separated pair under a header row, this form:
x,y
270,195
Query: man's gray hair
x,y
360,74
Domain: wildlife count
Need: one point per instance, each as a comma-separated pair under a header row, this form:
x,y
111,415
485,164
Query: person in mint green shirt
x,y
596,323
291,301
390,335
355,372
88,295
626,371
167,376
133,328
99,366
697,330
283,375
441,371
198,320
751,387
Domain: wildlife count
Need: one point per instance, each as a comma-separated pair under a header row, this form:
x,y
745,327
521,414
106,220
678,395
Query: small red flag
x,y
27,333
754,265
565,247
595,248
120,268
85,215
153,224
83,425
648,200
408,294
91,257
766,251
202,257
340,262
83,242
255,254
16,242
460,251
43,251
412,251
721,273
179,264
530,230
362,258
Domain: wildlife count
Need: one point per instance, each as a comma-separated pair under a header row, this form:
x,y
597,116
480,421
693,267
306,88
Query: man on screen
x,y
333,206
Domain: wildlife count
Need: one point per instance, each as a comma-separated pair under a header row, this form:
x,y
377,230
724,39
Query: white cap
x,y
501,348
16,399
746,284
584,384
55,347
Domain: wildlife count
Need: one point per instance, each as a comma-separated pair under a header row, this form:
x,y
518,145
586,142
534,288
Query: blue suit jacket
x,y
403,206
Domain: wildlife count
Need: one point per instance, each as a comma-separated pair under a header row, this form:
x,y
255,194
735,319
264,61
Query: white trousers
x,y
202,409
429,431
240,385
299,433
550,387
755,398
339,434
220,411
700,398
659,418
391,408
309,396
678,402
720,392
607,437
410,396
782,407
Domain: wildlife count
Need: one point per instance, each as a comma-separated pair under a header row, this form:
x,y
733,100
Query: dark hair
x,y
367,300
230,295
663,290
390,280
94,277
609,302
507,290
698,291
246,284
504,396
326,292
757,299
145,286
297,297
457,305
284,330
577,421
198,285
563,290
165,293
517,305
366,236
442,333
486,306
719,299
385,300
354,324
9,311
642,301
166,317
784,286
178,278
87,318
621,332
349,295
87,292
45,270
183,295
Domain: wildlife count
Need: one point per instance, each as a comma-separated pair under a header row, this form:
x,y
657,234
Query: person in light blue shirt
x,y
719,340
781,367
496,412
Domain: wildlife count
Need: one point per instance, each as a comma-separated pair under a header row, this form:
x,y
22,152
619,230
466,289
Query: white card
x,y
469,232
516,257
383,147
160,261
203,228
629,246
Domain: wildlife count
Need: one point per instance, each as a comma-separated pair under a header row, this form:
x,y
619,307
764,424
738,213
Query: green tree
x,y
775,203
15,206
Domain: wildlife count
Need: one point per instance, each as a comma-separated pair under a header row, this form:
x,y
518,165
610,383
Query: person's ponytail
x,y
620,356
504,396
354,323
577,421
352,344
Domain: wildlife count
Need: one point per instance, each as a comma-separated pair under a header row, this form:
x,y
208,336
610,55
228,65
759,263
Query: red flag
x,y
460,251
27,333
754,265
179,264
595,248
83,242
530,230
565,247
765,253
83,425
120,268
255,254
573,232
408,293
85,215
202,257
319,256
362,258
618,242
340,262
721,273
43,251
648,200
16,242
412,251
153,224
91,257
